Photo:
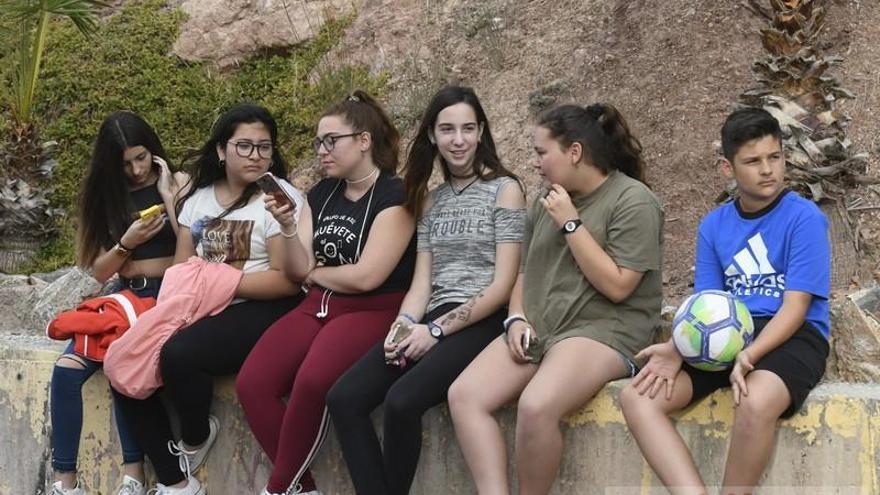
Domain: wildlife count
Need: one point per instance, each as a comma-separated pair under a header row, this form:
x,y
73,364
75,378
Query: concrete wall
x,y
831,447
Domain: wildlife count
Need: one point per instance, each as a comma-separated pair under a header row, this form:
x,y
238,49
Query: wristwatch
x,y
571,225
121,250
436,330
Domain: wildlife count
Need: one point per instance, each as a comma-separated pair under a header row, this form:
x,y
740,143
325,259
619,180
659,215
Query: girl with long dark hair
x,y
469,234
222,220
128,173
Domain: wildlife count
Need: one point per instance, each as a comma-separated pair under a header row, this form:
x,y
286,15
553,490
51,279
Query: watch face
x,y
435,332
570,226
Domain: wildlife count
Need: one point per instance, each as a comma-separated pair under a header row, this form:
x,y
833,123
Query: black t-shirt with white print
x,y
341,226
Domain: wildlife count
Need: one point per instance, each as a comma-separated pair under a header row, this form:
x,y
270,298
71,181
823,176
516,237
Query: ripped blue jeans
x,y
66,409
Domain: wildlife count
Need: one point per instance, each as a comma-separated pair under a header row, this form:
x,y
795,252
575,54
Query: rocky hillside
x,y
673,67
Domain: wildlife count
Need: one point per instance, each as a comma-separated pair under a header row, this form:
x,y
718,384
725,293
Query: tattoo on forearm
x,y
447,319
461,313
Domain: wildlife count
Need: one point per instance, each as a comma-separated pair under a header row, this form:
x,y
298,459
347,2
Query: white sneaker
x,y
57,490
131,486
295,492
193,487
192,460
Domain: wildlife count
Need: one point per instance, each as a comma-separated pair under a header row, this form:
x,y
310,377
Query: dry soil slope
x,y
673,67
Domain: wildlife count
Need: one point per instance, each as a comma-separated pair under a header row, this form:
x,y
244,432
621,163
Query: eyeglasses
x,y
245,149
329,141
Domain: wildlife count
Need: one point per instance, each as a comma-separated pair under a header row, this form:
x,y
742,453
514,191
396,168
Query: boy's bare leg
x,y
563,383
492,380
754,431
663,448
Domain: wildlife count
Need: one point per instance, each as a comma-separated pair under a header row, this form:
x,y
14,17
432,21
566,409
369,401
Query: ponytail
x,y
604,134
626,148
364,114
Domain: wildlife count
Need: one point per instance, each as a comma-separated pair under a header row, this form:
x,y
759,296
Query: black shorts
x,y
799,362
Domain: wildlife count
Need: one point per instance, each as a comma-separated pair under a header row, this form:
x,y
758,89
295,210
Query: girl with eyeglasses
x,y
128,172
469,235
223,220
356,250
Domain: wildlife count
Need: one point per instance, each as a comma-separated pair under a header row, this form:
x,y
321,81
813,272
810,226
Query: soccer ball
x,y
710,328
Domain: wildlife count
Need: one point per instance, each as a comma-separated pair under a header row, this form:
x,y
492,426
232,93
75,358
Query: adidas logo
x,y
751,272
752,260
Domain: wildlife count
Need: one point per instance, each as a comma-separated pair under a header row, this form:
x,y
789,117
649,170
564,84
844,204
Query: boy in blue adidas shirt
x,y
770,249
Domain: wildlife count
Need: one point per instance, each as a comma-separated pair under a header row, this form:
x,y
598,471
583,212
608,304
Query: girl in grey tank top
x,y
469,235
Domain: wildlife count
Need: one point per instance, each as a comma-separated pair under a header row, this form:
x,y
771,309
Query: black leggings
x,y
189,361
407,395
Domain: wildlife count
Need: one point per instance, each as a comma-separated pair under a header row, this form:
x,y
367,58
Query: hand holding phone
x,y
270,185
148,213
400,330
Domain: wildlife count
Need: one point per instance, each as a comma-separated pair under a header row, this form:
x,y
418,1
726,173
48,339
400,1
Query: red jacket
x,y
98,322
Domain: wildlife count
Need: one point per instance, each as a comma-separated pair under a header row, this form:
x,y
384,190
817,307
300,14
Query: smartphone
x,y
270,185
148,213
399,331
526,339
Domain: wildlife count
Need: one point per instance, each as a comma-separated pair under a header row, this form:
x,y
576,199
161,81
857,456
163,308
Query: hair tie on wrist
x,y
289,236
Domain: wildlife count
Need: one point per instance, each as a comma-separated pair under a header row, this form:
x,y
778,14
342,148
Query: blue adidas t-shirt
x,y
757,256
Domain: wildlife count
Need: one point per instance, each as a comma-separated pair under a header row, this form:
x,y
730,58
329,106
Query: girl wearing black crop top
x,y
128,173
354,246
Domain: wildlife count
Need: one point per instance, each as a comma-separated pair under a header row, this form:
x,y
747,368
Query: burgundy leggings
x,y
302,355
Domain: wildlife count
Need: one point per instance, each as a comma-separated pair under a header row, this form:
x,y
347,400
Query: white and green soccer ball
x,y
710,328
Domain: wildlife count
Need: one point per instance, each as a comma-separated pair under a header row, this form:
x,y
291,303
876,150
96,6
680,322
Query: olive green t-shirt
x,y
625,219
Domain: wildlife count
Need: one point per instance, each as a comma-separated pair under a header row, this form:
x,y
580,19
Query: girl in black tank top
x,y
163,243
128,173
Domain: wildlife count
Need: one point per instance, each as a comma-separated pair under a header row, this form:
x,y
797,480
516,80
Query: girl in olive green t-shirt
x,y
586,300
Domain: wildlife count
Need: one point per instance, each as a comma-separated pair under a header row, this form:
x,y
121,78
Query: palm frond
x,y
798,89
31,18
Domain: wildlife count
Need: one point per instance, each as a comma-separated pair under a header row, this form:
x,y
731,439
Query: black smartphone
x,y
270,185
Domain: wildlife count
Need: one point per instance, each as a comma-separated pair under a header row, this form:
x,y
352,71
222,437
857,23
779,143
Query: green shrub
x,y
127,65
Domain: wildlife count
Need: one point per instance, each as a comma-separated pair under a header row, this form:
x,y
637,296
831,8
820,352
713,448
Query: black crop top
x,y
162,244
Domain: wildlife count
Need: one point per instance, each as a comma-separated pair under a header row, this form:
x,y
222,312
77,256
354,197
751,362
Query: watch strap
x,y
121,250
575,221
436,330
